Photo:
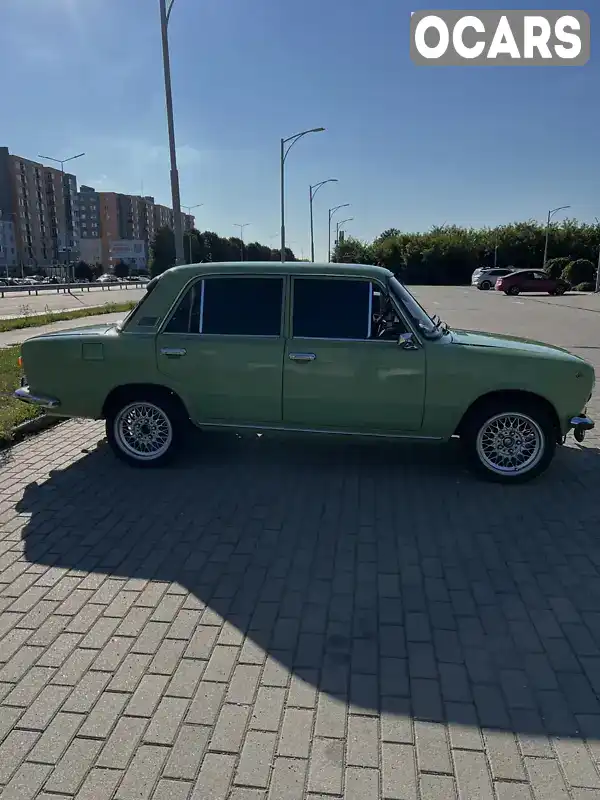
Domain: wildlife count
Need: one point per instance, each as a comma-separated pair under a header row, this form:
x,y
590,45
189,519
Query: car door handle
x,y
302,356
173,352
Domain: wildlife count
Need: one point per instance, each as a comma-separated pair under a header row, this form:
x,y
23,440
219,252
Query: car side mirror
x,y
407,341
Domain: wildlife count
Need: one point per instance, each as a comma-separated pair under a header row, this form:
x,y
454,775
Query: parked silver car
x,y
486,278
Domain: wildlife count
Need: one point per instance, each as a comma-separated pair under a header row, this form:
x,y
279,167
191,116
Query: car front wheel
x,y
509,443
144,431
485,285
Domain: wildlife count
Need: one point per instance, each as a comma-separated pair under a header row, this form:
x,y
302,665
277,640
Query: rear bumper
x,y
24,394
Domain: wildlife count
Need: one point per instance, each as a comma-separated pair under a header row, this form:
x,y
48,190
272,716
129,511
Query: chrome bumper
x,y
25,396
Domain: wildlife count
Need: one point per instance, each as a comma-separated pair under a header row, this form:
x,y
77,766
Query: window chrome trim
x,y
383,288
201,279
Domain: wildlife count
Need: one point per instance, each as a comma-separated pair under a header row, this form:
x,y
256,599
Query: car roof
x,y
187,271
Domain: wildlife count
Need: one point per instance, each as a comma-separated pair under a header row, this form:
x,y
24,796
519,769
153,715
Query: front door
x,y
222,349
339,373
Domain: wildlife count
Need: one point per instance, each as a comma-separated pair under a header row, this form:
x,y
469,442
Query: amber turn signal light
x,y
20,361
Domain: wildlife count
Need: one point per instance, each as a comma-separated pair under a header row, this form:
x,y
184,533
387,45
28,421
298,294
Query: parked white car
x,y
486,278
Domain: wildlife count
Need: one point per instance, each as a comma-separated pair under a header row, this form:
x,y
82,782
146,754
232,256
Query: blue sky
x,y
411,146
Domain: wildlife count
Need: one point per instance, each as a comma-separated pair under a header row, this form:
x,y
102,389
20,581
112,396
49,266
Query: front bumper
x,y
25,395
580,426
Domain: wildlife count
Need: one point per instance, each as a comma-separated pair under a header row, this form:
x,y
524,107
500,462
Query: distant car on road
x,y
486,278
531,280
106,278
330,349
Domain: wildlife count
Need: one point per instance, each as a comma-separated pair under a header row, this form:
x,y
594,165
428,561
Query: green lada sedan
x,y
308,348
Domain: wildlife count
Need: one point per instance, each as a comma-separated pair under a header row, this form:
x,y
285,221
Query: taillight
x,y
20,361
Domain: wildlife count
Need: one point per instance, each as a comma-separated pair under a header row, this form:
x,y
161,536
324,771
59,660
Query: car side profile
x,y
531,280
485,279
307,348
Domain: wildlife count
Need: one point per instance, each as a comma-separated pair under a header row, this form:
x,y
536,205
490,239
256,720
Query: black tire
x,y
485,285
513,290
560,290
165,417
530,413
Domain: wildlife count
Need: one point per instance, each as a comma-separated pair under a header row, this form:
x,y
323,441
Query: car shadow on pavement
x,y
384,576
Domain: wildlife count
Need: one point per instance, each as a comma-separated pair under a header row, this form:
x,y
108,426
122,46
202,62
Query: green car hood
x,y
502,341
86,330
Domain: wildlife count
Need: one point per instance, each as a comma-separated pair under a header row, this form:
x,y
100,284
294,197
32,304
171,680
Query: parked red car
x,y
531,280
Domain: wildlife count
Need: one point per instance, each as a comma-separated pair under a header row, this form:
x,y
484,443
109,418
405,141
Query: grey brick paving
x,y
280,621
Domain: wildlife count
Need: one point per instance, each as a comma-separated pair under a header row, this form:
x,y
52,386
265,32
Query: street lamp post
x,y
165,14
290,142
189,210
332,211
62,162
312,192
551,213
241,227
338,227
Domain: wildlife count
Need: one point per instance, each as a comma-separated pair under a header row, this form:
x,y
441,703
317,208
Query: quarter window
x,y
230,307
332,309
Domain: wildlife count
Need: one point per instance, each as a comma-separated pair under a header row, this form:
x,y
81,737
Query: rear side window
x,y
230,307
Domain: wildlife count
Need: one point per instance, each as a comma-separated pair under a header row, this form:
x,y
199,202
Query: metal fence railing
x,y
68,288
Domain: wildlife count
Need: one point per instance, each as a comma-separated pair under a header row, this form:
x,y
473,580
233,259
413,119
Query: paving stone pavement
x,y
270,620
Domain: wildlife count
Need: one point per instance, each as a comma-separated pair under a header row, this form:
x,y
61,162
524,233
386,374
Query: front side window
x,y
332,309
230,307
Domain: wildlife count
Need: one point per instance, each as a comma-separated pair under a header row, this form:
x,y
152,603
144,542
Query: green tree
x,y
579,271
121,269
97,270
555,266
162,251
83,271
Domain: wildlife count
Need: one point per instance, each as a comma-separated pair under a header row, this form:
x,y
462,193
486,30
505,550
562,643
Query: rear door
x,y
222,349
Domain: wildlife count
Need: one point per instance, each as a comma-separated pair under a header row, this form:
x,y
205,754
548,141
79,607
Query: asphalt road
x,y
20,303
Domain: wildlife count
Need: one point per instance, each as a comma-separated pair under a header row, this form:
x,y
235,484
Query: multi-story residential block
x,y
42,204
8,247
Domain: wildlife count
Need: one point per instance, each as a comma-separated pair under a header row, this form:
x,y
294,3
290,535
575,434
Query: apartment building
x,y
8,247
41,203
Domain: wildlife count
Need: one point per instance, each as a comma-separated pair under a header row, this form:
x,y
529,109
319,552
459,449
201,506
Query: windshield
x,y
421,319
149,288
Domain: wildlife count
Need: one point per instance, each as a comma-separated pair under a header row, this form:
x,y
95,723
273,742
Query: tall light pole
x,y
332,211
241,227
312,192
62,162
597,289
166,6
290,142
338,225
189,210
551,213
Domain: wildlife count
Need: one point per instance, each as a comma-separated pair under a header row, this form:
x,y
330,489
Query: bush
x,y
556,266
586,286
579,271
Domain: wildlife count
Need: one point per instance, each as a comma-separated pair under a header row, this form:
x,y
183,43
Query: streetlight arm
x,y
314,189
169,7
293,139
555,210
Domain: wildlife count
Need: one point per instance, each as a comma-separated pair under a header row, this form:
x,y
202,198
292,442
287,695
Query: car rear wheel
x,y
560,290
145,430
513,290
509,442
485,285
